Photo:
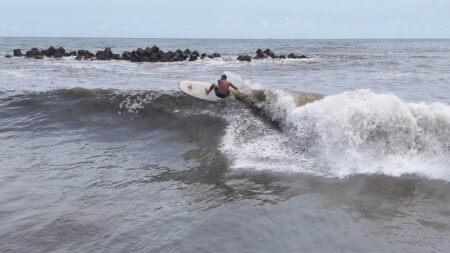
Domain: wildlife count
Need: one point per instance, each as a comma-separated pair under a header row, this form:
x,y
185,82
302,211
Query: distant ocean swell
x,y
355,132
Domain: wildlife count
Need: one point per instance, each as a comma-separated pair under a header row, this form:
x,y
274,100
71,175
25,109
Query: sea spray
x,y
361,132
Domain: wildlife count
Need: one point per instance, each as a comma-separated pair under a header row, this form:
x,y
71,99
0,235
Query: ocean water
x,y
109,156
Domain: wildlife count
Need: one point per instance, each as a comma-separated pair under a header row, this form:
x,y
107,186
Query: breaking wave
x,y
355,132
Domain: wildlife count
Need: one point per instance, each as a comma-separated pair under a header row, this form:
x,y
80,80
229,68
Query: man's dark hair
x,y
224,77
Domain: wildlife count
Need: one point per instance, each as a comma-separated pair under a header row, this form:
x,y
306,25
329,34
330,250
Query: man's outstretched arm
x,y
207,91
234,87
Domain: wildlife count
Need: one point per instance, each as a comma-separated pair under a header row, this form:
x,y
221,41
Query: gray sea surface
x,y
109,156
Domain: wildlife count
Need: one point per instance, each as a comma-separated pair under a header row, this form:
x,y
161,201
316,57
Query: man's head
x,y
223,77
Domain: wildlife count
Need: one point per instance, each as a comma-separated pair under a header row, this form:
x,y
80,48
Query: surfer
x,y
222,89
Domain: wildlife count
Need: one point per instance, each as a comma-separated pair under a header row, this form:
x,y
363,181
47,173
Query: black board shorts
x,y
220,95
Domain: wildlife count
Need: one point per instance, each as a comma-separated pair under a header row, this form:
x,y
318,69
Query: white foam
x,y
244,85
354,132
135,100
253,144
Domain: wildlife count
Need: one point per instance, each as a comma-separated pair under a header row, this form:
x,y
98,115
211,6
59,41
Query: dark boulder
x,y
46,52
203,56
81,52
210,56
17,53
193,57
51,51
178,57
147,51
61,50
88,55
40,57
269,53
260,54
181,56
196,53
136,57
170,56
73,53
117,57
66,54
78,58
302,57
140,52
282,56
291,56
187,51
155,49
8,56
100,55
215,55
153,57
126,56
162,57
244,58
108,53
33,52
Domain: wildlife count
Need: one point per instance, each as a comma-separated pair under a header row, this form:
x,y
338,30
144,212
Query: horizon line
x,y
185,38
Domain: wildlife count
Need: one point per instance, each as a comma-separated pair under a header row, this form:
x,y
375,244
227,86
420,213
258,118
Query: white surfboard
x,y
197,89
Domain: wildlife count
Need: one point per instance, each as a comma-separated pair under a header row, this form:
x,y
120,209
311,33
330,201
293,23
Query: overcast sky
x,y
288,19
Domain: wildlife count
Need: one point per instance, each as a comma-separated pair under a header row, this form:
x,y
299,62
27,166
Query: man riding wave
x,y
222,89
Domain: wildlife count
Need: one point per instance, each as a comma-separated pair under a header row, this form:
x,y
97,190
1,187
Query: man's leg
x,y
210,88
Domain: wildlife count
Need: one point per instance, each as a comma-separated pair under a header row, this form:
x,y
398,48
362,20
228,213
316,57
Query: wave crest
x,y
363,132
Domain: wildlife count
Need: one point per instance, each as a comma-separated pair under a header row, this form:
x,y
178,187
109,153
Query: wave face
x,y
357,132
105,111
